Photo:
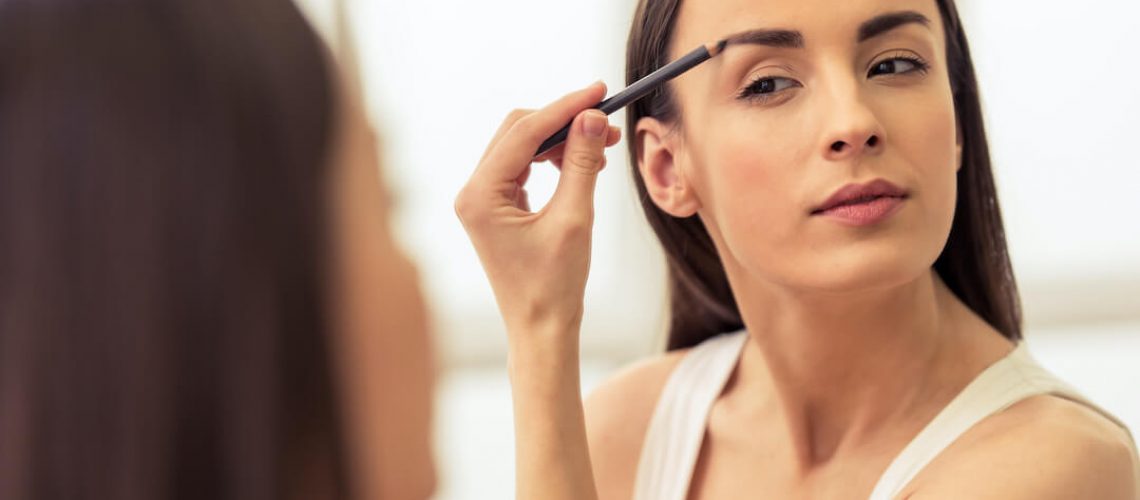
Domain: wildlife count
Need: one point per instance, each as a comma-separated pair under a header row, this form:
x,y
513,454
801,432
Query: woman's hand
x,y
537,262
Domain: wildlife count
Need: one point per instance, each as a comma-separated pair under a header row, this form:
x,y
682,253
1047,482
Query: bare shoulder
x,y
1043,447
617,415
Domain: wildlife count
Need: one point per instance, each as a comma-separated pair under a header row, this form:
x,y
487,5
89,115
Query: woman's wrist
x,y
525,318
543,326
549,346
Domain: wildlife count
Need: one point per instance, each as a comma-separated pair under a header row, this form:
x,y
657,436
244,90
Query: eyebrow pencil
x,y
643,87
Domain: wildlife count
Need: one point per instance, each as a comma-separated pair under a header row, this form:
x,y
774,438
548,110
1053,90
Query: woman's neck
x,y
837,369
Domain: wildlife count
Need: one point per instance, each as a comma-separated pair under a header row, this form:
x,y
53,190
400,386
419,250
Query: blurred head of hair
x,y
162,241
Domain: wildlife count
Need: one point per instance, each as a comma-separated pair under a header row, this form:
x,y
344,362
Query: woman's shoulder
x,y
633,389
618,413
1042,447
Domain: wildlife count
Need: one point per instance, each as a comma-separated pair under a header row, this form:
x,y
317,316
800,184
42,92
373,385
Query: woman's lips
x,y
866,212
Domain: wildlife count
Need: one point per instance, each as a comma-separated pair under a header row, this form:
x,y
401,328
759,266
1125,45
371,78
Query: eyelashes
x,y
764,89
917,65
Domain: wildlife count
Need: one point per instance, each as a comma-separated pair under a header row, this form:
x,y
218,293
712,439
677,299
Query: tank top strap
x,y
673,439
1008,381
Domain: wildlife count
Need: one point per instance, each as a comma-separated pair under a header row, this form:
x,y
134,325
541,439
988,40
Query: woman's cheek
x,y
924,143
749,189
934,150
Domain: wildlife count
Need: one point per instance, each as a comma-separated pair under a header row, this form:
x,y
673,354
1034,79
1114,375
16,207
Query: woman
x,y
823,193
200,295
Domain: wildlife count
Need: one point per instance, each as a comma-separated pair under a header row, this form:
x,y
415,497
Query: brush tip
x,y
716,48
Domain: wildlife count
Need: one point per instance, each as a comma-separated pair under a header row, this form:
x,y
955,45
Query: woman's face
x,y
767,133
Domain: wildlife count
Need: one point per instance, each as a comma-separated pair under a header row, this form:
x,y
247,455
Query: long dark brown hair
x,y
162,227
974,264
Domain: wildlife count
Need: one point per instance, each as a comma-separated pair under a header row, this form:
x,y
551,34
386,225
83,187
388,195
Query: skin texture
x,y
855,343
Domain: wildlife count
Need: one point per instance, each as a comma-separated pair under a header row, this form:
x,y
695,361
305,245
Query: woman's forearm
x,y
537,263
551,453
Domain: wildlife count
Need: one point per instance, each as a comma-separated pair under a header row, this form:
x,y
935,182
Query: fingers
x,y
503,170
508,122
582,159
520,197
555,154
614,136
556,160
515,149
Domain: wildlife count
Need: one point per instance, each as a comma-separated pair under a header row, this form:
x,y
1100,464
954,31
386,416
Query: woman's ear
x,y
657,161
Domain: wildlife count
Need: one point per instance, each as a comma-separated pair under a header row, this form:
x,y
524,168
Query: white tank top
x,y
673,439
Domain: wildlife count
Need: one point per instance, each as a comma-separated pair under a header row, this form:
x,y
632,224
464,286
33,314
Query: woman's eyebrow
x,y
790,39
883,23
793,39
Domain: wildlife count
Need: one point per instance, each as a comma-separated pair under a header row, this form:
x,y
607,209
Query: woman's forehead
x,y
819,21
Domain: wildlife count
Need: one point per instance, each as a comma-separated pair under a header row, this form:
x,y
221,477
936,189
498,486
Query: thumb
x,y
582,159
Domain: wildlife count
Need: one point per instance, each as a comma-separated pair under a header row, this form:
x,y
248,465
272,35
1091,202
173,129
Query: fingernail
x,y
594,124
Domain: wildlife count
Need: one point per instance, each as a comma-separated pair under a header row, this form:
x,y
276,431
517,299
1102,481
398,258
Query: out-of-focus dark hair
x,y
974,264
162,227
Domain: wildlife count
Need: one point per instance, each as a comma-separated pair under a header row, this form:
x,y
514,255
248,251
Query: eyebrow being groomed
x,y
788,39
793,39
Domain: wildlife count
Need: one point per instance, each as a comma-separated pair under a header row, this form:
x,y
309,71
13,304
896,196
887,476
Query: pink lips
x,y
863,204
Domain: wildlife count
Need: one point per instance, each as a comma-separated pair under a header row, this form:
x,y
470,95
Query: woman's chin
x,y
853,272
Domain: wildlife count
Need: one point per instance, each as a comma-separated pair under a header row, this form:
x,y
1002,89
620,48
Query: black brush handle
x,y
636,91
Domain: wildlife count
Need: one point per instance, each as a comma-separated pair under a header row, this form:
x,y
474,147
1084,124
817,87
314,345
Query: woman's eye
x,y
898,65
763,88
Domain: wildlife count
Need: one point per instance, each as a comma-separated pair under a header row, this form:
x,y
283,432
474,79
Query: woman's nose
x,y
852,129
852,146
